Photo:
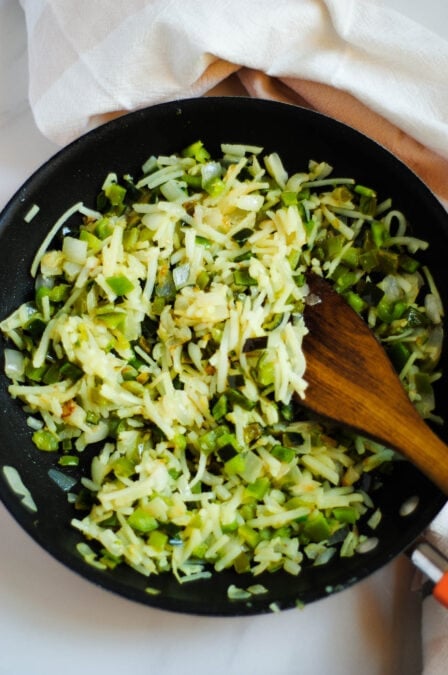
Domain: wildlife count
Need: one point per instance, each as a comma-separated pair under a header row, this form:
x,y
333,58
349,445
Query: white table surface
x,y
53,622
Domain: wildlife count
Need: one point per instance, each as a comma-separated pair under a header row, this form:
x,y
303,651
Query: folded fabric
x,y
353,59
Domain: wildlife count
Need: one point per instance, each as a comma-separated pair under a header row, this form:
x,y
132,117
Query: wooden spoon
x,y
351,381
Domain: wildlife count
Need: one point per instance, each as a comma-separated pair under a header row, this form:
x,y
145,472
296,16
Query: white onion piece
x,y
14,364
433,308
15,482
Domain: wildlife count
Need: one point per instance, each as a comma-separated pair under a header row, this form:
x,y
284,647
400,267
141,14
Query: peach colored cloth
x,y
429,165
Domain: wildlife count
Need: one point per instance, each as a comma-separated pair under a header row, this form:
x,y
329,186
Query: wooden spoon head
x,y
352,382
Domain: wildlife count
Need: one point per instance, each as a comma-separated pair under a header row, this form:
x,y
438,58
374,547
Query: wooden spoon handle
x,y
415,440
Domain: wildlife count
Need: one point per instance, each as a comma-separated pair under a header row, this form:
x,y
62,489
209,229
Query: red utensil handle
x,y
440,590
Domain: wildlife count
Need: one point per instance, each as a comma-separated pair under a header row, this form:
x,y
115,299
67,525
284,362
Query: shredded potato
x,y
167,328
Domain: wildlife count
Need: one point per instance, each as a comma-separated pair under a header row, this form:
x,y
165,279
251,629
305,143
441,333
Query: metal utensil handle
x,y
434,565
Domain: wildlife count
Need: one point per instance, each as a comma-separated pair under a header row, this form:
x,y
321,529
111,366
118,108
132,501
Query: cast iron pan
x,y
76,173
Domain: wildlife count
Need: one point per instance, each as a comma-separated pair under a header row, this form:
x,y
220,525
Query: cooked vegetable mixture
x,y
167,327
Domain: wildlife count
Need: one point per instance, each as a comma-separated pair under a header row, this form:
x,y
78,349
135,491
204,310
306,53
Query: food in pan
x,y
166,331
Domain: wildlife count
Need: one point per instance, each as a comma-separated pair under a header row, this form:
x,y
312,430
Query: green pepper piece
x,y
45,440
258,488
247,255
226,441
423,384
351,257
384,310
179,442
368,199
110,521
368,261
158,540
220,408
316,527
265,368
197,151
333,245
289,198
287,411
123,466
379,233
115,194
283,454
230,527
241,236
130,238
94,243
249,535
203,280
365,191
294,259
41,293
59,293
70,371
35,374
67,444
142,521
399,309
68,460
387,261
235,465
208,441
368,205
399,354
345,280
355,301
252,432
215,186
194,182
346,514
35,327
128,372
408,264
273,322
241,564
115,320
120,284
202,241
238,398
103,228
92,417
243,278
111,561
157,306
342,194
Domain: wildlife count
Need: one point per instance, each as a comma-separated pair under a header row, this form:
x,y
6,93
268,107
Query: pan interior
x,y
75,174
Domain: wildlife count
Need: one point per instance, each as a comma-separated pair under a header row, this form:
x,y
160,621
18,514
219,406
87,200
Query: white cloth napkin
x,y
354,59
91,60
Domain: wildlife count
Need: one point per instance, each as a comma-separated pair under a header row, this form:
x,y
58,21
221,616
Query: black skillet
x,y
76,173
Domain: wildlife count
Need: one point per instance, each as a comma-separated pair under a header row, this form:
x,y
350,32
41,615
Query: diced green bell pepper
x,y
142,521
120,284
316,527
45,440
